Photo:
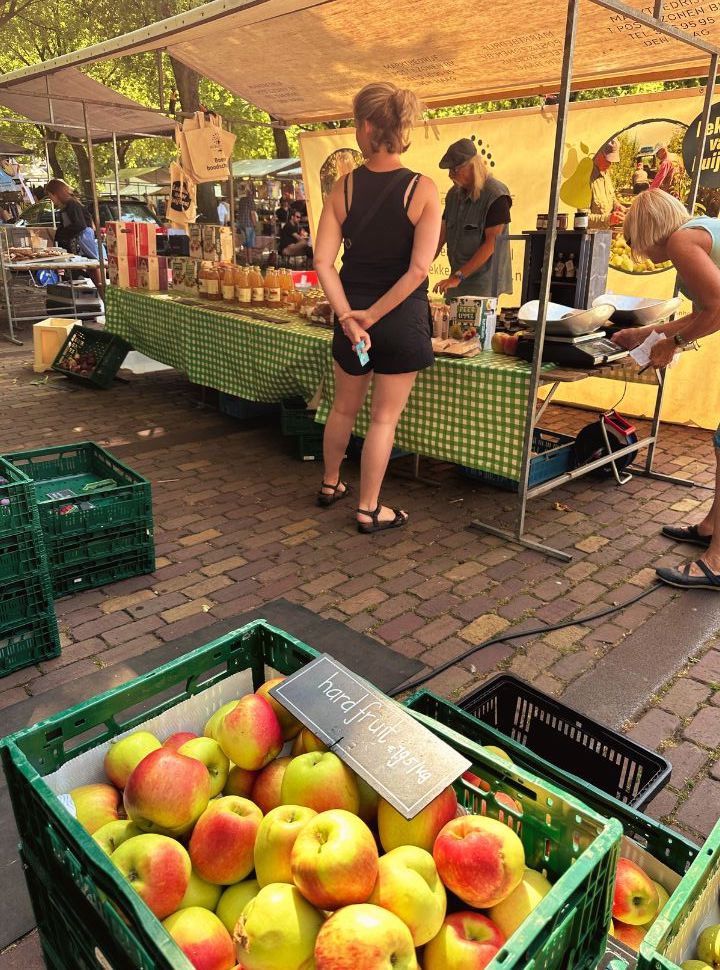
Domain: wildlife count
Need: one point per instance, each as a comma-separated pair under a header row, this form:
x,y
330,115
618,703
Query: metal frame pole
x,y
231,203
96,204
116,166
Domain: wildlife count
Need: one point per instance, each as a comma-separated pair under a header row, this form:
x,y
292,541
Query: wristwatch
x,y
460,275
679,340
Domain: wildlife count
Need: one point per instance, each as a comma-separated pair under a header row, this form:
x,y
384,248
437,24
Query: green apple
x,y
211,754
409,886
113,834
369,800
125,755
275,840
515,908
695,965
320,780
277,930
234,900
708,944
422,830
200,893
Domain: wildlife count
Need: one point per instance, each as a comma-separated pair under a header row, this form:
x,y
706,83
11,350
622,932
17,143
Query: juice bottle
x,y
228,283
202,279
257,286
273,292
212,283
286,286
243,293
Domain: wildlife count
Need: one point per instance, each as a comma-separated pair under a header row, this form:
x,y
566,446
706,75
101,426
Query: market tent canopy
x,y
447,55
107,110
155,176
7,148
257,168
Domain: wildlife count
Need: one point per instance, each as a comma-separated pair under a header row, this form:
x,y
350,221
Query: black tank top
x,y
380,255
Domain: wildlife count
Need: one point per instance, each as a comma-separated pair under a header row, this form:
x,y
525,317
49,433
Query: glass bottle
x,y
559,268
273,293
243,293
257,287
228,283
212,283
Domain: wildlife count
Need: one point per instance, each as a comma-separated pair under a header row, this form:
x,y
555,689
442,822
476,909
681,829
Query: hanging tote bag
x,y
206,148
181,209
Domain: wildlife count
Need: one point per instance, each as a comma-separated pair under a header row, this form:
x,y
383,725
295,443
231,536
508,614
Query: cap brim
x,y
613,157
445,162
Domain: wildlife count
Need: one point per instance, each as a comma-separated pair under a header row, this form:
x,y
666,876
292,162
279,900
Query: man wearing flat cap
x,y
474,226
605,210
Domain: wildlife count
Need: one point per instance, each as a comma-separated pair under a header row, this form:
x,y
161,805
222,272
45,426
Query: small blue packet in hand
x,y
362,353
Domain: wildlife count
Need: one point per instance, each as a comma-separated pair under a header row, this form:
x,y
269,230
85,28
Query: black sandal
x,y
686,534
683,580
326,500
398,522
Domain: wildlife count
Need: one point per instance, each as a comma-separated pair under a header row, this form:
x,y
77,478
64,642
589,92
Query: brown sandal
x,y
401,519
326,500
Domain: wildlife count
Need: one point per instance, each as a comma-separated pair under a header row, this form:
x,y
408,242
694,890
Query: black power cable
x,y
575,621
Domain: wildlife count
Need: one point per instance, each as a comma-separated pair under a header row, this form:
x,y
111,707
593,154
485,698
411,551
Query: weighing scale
x,y
583,352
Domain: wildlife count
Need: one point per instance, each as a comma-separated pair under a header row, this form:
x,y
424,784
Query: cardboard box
x,y
196,241
217,244
145,238
120,239
122,271
183,275
152,273
478,313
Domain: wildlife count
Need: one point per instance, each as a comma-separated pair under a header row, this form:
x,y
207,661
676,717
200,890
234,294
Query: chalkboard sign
x,y
403,761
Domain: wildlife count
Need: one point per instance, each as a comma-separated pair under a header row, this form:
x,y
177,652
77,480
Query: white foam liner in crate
x,y
704,912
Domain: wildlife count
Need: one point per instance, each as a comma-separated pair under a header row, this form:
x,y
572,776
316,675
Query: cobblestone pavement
x,y
236,526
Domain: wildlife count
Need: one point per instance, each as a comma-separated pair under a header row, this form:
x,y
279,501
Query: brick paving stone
x,y
122,602
74,651
402,626
708,668
81,668
128,631
395,568
408,647
580,570
197,538
207,586
189,624
704,729
394,606
687,760
483,628
662,805
437,605
654,727
128,650
440,629
225,565
700,811
361,622
591,544
362,601
685,697
518,606
12,696
358,584
186,609
156,605
321,584
400,584
464,570
572,665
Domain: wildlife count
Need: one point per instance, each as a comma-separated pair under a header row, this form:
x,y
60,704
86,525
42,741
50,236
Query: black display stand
x,y
590,251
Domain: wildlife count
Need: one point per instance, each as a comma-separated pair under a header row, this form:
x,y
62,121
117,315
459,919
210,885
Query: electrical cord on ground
x,y
510,635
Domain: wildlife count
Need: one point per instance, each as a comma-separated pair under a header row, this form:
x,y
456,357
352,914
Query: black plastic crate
x,y
309,447
91,356
243,410
297,419
569,740
554,456
29,643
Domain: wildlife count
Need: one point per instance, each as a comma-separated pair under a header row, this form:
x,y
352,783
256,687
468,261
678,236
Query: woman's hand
x,y
449,284
355,325
663,352
632,337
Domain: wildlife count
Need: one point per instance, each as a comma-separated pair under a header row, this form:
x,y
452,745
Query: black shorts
x,y
401,340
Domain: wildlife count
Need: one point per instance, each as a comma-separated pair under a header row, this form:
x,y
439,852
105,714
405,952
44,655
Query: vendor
x,y
640,177
605,209
670,170
75,232
477,215
294,240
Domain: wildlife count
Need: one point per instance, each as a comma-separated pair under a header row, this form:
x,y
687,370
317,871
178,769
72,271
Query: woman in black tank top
x,y
388,220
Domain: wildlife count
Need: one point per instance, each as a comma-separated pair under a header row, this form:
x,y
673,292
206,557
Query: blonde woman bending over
x,y
388,220
658,227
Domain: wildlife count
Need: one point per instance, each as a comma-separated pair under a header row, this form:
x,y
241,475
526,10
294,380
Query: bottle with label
x,y
559,267
202,279
228,283
273,292
243,293
212,283
286,287
570,267
257,286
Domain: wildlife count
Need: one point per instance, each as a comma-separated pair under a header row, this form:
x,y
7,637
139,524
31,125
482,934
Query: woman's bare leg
x,y
349,396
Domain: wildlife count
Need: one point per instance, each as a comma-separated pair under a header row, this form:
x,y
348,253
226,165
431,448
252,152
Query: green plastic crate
x,y
22,556
18,508
108,349
24,601
297,419
69,553
309,447
29,643
575,845
90,574
70,468
694,905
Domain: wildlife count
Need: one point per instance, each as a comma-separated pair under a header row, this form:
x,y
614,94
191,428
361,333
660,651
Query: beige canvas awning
x,y
56,100
450,53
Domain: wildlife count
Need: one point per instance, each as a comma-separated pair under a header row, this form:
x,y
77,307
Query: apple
x,y
498,752
288,722
202,938
364,937
275,840
201,893
307,741
479,859
515,908
266,791
96,805
511,343
695,965
277,930
113,834
211,754
369,800
506,801
497,342
124,755
177,740
213,721
234,900
240,782
320,780
250,733
334,860
663,897
395,830
708,944
631,936
467,941
636,897
408,885
221,845
158,868
167,792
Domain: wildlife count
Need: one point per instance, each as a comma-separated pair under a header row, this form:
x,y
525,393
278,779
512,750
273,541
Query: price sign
x,y
374,735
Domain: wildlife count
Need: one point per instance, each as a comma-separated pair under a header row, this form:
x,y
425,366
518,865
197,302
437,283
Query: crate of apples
x,y
256,860
637,903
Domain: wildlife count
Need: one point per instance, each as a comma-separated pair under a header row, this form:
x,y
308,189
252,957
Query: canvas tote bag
x,y
181,209
206,148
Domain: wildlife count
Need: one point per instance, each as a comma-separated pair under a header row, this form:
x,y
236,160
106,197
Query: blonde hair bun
x,y
391,112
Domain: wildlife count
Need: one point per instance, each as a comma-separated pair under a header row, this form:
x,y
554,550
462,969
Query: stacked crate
x,y
95,515
28,628
298,421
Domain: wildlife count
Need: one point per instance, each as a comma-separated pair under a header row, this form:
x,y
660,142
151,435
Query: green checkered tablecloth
x,y
469,412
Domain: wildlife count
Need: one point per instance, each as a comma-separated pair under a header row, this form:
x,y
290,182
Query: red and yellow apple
x,y
125,755
422,830
201,893
221,845
234,900
288,722
202,938
636,898
663,897
113,834
212,756
275,840
515,908
320,780
277,930
307,741
167,792
158,868
96,805
364,937
467,941
250,733
334,860
240,782
631,936
213,721
408,885
267,789
178,739
369,800
479,859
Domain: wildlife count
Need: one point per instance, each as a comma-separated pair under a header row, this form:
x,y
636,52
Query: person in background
x,y
223,211
605,209
640,177
388,220
658,227
246,217
669,170
282,212
476,217
75,232
294,240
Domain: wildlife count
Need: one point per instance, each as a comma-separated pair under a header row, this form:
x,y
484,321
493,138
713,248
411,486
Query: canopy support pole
x,y
231,203
96,204
116,166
